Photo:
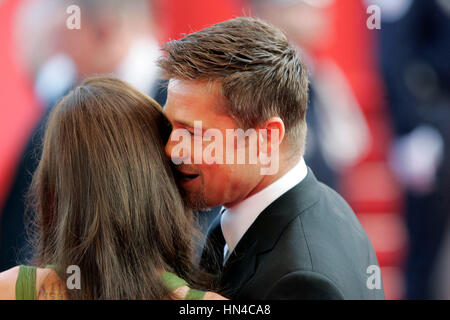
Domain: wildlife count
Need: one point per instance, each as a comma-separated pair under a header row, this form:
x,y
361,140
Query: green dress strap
x,y
26,283
194,294
174,282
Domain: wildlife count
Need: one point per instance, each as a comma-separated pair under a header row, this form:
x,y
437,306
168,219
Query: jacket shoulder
x,y
325,247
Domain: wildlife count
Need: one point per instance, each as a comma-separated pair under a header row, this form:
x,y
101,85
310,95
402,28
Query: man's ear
x,y
270,135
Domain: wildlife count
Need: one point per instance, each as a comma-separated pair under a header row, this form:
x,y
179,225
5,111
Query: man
x,y
282,234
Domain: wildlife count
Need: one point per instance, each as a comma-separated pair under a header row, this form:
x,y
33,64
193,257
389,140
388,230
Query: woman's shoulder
x,y
8,280
48,284
209,295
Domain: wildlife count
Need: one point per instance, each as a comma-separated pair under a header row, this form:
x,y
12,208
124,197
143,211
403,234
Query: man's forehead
x,y
195,94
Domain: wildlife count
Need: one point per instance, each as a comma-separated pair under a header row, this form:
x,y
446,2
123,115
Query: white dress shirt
x,y
236,220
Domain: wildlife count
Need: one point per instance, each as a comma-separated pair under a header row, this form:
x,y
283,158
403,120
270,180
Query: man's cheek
x,y
211,157
211,177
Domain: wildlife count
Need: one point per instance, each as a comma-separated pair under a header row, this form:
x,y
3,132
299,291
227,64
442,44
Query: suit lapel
x,y
239,267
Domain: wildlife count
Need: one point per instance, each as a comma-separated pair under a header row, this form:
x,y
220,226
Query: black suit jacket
x,y
308,244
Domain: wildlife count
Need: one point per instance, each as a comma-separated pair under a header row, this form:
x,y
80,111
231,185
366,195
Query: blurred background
x,y
379,112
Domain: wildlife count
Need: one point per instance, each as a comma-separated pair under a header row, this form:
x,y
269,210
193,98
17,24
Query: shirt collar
x,y
236,220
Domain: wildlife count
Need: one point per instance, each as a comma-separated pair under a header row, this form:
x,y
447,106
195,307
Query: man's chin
x,y
195,200
197,206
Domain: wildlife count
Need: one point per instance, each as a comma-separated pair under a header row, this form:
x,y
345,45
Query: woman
x,y
106,201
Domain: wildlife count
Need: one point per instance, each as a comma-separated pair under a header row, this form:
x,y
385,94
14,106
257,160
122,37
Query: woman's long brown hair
x,y
105,197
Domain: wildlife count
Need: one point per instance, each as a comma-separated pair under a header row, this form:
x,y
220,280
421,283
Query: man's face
x,y
206,185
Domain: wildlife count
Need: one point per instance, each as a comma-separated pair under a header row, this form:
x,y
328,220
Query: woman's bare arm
x,y
8,280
